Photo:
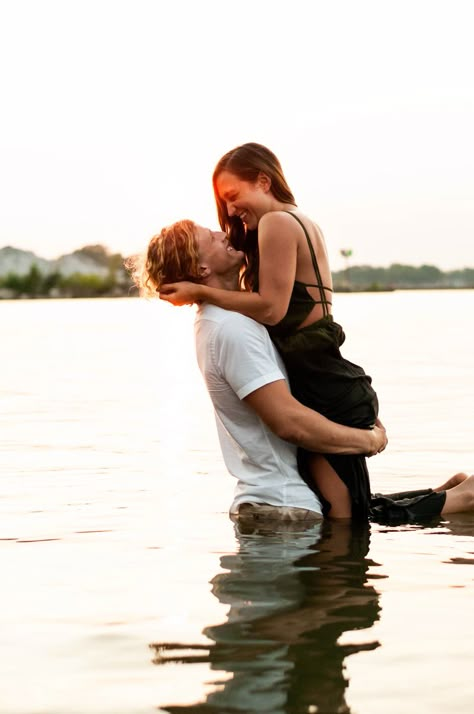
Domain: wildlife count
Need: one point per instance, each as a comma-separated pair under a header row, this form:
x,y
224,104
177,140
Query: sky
x,y
114,113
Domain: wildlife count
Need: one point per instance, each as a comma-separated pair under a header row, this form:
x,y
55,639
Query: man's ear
x,y
264,182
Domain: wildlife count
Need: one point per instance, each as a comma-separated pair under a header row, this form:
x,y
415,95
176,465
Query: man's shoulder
x,y
225,335
227,320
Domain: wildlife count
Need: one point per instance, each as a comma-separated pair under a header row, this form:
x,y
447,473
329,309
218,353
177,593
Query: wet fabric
x,y
406,507
323,380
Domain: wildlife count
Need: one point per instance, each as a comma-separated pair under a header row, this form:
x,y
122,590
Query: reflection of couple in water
x,y
291,596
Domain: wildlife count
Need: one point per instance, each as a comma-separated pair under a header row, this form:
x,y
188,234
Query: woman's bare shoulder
x,y
307,221
278,224
286,220
276,218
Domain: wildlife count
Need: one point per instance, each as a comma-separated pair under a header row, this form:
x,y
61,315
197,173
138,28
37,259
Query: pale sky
x,y
114,113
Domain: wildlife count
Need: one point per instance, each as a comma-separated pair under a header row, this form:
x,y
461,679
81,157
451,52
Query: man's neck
x,y
224,282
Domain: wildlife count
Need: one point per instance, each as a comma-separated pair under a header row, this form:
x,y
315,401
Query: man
x,y
259,423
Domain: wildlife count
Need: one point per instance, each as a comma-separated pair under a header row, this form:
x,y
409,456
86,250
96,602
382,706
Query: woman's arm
x,y
277,240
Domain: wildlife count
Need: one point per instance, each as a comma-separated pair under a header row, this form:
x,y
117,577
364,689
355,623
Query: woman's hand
x,y
182,293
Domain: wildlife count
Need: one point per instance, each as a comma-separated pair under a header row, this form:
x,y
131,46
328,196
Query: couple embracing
x,y
296,420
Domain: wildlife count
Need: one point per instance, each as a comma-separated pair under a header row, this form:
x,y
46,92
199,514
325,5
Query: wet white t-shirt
x,y
236,356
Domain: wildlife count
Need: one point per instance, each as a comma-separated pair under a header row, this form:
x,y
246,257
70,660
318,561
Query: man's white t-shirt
x,y
236,356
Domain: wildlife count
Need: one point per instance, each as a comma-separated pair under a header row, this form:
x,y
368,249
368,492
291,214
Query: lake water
x,y
125,587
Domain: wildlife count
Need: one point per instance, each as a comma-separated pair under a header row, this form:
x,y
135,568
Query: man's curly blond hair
x,y
172,255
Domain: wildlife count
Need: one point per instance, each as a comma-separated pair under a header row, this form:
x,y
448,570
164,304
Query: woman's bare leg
x,y
452,482
330,486
460,499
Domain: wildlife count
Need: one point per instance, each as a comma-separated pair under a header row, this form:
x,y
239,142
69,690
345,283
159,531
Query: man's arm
x,y
293,422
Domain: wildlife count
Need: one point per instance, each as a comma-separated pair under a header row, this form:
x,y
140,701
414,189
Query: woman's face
x,y
250,201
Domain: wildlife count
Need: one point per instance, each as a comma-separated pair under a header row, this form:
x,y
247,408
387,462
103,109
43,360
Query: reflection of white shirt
x,y
236,356
262,580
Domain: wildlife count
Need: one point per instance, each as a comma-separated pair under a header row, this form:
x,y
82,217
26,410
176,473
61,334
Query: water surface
x,y
125,586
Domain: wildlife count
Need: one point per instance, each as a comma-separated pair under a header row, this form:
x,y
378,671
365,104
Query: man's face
x,y
216,253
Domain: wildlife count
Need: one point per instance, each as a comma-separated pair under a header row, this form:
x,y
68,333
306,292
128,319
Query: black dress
x,y
323,380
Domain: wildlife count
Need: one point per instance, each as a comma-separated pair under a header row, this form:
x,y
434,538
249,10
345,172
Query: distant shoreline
x,y
387,289
337,290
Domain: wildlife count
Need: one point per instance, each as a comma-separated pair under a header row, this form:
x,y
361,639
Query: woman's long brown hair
x,y
247,162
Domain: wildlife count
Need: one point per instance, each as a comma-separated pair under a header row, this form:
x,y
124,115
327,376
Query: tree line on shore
x,y
36,285
398,277
112,280
108,279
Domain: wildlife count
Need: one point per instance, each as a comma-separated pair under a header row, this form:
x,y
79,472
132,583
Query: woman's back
x,y
311,298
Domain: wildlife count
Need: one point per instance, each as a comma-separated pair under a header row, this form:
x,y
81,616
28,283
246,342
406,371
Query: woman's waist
x,y
302,308
320,334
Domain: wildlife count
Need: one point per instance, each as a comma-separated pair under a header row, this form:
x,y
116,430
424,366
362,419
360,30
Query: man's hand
x,y
182,293
380,439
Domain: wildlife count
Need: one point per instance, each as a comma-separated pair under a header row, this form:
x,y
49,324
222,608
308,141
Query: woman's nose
x,y
230,209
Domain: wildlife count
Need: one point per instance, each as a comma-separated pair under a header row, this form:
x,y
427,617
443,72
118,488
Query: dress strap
x,y
324,301
325,287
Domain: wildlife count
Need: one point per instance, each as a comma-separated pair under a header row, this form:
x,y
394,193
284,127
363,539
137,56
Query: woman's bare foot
x,y
452,482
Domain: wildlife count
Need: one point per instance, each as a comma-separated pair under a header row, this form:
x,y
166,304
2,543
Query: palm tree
x,y
346,254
